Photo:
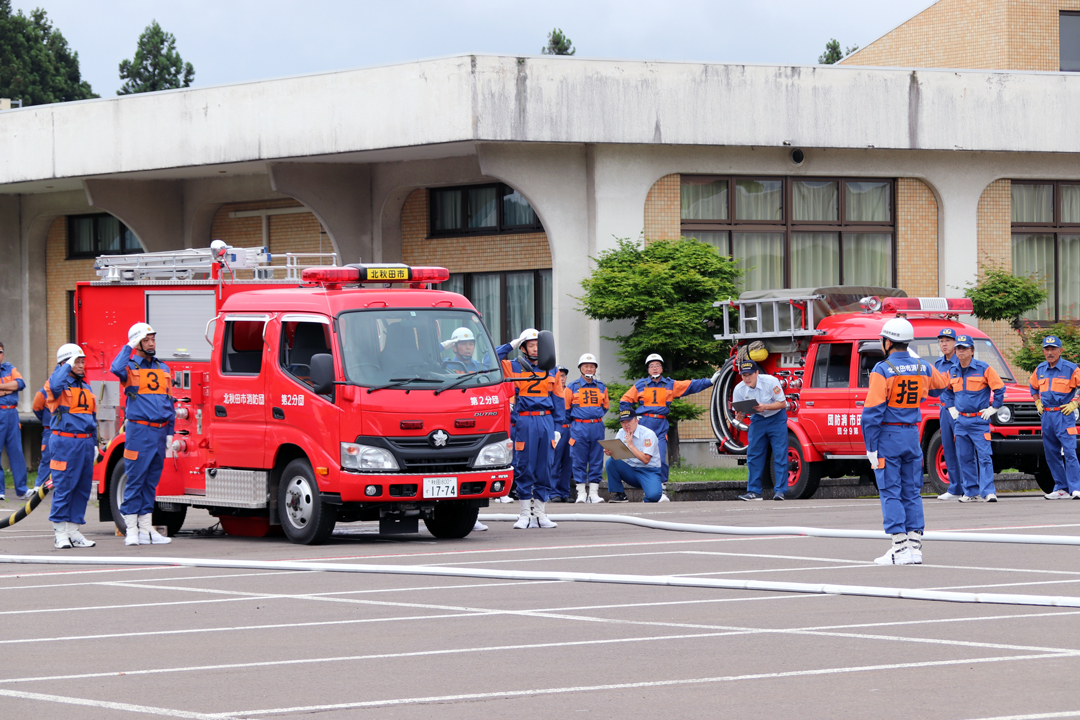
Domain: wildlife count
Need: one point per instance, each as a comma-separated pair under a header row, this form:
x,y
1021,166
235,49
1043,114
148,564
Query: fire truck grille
x,y
437,465
1025,414
413,443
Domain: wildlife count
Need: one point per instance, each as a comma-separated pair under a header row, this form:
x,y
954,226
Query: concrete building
x,y
512,171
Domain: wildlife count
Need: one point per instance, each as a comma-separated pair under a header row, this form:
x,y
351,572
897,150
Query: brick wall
x,y
484,253
663,209
987,34
300,232
61,275
994,243
916,238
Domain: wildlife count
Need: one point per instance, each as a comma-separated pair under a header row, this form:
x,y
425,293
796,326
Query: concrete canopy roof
x,y
457,101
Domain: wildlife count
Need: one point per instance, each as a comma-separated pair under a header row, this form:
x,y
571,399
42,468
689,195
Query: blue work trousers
x,y
11,441
647,479
586,452
144,457
560,465
73,478
1059,445
660,427
765,433
900,481
959,483
532,457
44,471
973,451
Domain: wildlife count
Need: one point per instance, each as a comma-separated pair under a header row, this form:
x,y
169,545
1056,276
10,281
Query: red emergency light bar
x,y
333,276
948,306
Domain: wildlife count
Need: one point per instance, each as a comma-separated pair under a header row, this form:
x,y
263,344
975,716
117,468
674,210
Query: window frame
x,y
500,227
1072,13
504,319
229,322
829,364
73,254
1055,228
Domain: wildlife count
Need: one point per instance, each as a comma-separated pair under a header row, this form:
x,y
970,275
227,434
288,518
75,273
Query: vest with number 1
x,y
147,390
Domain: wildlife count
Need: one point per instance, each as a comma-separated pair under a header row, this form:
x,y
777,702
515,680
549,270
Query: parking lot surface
x,y
183,642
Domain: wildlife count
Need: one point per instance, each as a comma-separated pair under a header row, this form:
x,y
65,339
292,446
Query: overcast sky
x,y
232,41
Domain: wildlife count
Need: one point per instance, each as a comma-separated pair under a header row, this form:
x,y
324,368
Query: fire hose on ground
x,y
33,502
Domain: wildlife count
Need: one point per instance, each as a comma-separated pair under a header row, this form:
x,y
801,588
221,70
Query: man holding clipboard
x,y
762,395
634,460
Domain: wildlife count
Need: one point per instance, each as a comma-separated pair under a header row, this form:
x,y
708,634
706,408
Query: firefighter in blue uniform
x,y
587,402
11,384
540,407
974,395
1053,385
890,426
655,394
462,344
561,469
150,416
73,444
959,484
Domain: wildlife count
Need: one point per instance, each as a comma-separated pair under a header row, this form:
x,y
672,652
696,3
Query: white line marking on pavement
x,y
1037,716
108,705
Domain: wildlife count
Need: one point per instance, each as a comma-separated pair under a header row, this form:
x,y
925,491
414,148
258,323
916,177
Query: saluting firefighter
x,y
41,410
463,344
150,416
655,393
74,446
11,384
960,483
587,402
539,407
561,470
1053,385
890,426
974,395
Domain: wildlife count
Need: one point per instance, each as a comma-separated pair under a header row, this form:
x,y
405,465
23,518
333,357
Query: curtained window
x,y
483,208
758,199
815,259
761,257
520,302
93,235
480,210
486,296
868,259
1069,277
868,201
704,199
1046,244
815,200
1032,203
508,301
517,212
1070,203
718,240
1033,256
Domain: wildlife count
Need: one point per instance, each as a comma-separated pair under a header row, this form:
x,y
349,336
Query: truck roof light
x,y
430,274
383,273
330,276
948,306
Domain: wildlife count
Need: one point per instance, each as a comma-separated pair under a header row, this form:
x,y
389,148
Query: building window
x,y
1069,36
480,210
508,302
93,235
796,232
1046,244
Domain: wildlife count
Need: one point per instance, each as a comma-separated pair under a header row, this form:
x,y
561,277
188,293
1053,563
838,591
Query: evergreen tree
x,y
558,44
36,64
832,53
156,66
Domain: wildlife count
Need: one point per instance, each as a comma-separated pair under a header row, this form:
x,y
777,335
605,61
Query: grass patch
x,y
692,474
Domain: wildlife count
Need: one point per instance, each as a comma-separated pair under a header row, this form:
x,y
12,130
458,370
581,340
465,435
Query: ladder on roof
x,y
196,264
771,318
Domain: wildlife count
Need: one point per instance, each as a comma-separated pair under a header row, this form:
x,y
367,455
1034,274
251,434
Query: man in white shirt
x,y
641,471
768,428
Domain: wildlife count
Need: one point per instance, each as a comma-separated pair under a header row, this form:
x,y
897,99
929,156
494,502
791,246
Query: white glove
x,y
134,343
871,455
988,413
447,343
912,353
168,447
516,343
715,377
954,413
558,437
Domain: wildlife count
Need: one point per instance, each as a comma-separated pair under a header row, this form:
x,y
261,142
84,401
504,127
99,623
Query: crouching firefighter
x,y
890,426
539,406
150,417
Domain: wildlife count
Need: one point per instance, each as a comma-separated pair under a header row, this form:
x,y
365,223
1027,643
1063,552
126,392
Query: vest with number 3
x,y
147,390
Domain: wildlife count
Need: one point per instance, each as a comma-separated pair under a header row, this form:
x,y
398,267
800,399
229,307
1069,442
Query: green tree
x,y
36,64
832,53
558,44
666,289
1000,295
156,66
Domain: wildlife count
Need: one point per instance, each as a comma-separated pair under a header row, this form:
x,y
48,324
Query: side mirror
x,y
322,373
545,351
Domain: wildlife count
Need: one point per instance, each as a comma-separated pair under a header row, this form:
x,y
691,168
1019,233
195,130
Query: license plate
x,y
440,487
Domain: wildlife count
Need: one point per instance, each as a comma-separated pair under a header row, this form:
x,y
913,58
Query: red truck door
x,y
827,404
869,355
238,392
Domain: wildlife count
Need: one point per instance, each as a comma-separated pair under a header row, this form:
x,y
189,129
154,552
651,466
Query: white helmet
x,y
587,358
462,334
69,352
898,330
527,335
651,358
138,332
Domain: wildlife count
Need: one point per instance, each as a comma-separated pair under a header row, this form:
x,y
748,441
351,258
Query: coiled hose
x,y
721,416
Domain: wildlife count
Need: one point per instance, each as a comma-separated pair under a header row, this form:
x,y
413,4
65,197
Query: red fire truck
x,y
305,396
822,344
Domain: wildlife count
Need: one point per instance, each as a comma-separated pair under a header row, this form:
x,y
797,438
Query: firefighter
x,y
540,407
768,429
150,416
890,425
974,395
1053,385
561,469
587,402
656,393
463,344
11,384
958,481
73,444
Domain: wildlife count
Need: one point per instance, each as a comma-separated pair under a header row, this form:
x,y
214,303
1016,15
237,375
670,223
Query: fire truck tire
x,y
803,476
936,470
1044,480
173,520
452,520
305,518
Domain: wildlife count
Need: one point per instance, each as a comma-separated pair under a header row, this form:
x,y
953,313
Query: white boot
x,y
899,553
148,535
540,511
581,494
594,494
526,515
77,539
915,546
62,540
132,523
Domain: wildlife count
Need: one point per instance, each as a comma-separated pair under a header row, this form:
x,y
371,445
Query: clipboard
x,y
746,407
617,448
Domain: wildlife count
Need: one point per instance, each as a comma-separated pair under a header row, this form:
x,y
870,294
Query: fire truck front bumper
x,y
397,487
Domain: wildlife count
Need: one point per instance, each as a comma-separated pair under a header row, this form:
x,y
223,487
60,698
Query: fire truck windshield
x,y
984,350
417,348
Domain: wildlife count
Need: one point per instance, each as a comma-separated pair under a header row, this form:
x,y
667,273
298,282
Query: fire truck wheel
x,y
452,520
173,520
936,469
305,518
803,477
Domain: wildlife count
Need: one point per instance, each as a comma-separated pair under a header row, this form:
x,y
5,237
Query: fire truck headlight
x,y
366,457
498,454
1004,415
